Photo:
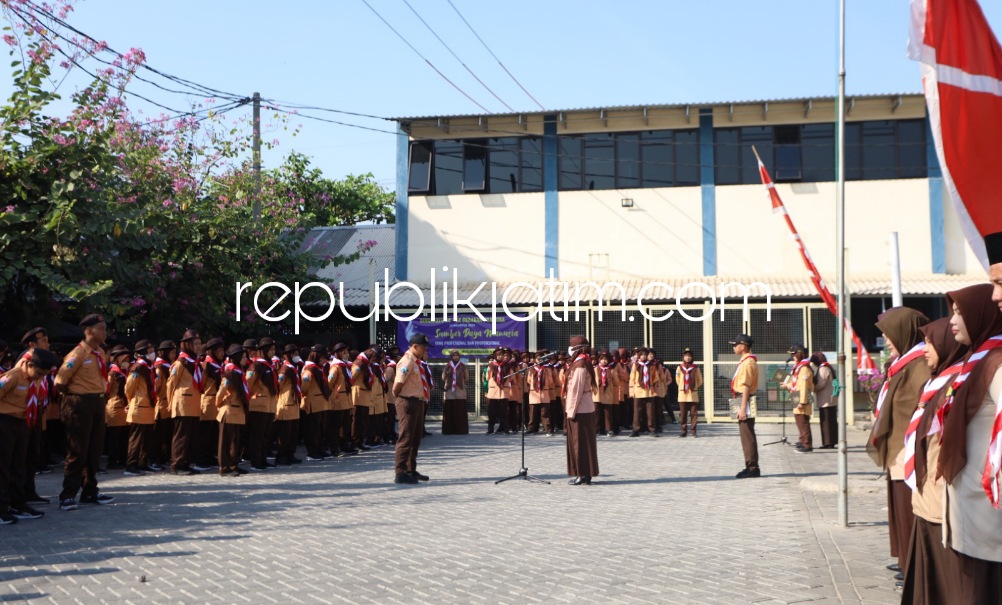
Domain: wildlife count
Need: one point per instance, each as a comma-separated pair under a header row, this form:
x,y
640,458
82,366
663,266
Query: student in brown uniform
x,y
263,384
512,395
232,401
116,436
661,392
689,379
410,389
623,375
645,380
801,387
379,390
363,380
607,393
315,407
496,405
824,389
538,385
290,393
579,407
163,427
968,455
557,395
42,406
933,569
140,391
895,405
184,387
17,390
455,420
338,430
82,383
385,429
743,385
208,428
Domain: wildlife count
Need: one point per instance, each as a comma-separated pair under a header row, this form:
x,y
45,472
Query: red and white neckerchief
x,y
645,381
366,370
734,393
992,343
299,380
340,365
101,365
603,376
32,405
120,375
932,386
160,362
991,477
274,375
231,367
153,383
376,369
196,371
455,374
540,374
425,373
687,377
496,371
899,364
390,363
796,373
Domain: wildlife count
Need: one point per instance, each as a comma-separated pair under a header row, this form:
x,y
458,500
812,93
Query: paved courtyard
x,y
664,523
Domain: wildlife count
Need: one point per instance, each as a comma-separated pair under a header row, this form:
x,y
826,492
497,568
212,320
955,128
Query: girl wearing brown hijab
x,y
898,400
933,570
972,526
579,407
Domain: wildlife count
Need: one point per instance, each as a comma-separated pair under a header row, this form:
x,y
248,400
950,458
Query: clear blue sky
x,y
567,53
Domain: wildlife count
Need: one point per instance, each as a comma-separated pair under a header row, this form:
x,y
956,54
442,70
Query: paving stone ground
x,y
666,522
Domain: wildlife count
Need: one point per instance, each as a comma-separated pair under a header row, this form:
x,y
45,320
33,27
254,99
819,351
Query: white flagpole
x,y
843,461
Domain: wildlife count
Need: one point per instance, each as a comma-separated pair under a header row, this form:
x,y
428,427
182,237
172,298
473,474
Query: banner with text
x,y
469,335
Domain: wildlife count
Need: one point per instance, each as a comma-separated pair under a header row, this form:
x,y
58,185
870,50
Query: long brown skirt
x,y
582,447
933,570
455,421
900,520
980,580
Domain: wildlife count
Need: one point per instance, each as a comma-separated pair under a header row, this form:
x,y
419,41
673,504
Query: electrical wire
x,y
461,62
510,75
430,64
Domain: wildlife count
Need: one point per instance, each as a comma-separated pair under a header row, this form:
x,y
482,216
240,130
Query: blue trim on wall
x,y
936,227
708,191
400,231
551,200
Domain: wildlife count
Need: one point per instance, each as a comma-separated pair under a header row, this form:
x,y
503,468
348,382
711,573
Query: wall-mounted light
x,y
627,202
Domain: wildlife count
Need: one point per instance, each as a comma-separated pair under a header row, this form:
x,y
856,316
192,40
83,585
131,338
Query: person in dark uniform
x,y
411,389
41,441
82,382
184,387
455,420
579,408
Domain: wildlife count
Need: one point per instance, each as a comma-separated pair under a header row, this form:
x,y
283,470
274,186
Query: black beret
x,y
167,345
142,345
91,320
214,342
31,335
43,360
234,350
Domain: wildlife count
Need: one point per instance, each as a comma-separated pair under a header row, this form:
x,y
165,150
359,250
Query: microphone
x,y
547,357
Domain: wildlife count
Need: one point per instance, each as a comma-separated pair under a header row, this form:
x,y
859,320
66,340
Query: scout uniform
x,y
745,381
263,387
140,391
801,389
290,393
83,380
607,395
208,428
184,387
644,382
363,383
455,420
625,403
37,453
689,379
582,450
412,389
338,430
387,418
496,406
116,436
538,384
232,401
163,427
315,406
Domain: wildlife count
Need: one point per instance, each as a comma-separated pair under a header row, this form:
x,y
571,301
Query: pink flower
x,y
10,209
10,40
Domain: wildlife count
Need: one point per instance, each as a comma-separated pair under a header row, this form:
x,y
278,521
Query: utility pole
x,y
256,146
842,374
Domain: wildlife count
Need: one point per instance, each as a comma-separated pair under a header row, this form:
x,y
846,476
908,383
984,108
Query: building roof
x,y
891,95
333,242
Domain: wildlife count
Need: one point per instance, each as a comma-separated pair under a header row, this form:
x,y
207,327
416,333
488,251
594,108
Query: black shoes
x,y
184,472
405,479
634,434
97,499
26,512
894,567
899,576
419,476
749,473
36,499
580,481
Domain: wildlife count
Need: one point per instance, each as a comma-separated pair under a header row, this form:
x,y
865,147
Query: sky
x,y
338,54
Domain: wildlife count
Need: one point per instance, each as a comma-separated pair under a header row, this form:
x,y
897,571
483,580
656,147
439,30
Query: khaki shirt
x,y
181,392
288,398
258,375
539,394
495,390
409,375
162,373
340,388
805,387
14,393
229,402
81,372
637,381
361,394
695,382
746,376
115,409
609,394
314,401
141,409
210,386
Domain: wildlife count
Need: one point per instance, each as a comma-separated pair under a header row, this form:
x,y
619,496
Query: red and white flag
x,y
962,76
863,359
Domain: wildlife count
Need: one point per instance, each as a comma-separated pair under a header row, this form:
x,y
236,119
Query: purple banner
x,y
470,336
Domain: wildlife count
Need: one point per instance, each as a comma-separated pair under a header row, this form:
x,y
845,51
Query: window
x,y
599,161
727,156
878,150
686,158
570,163
532,164
817,147
448,167
628,161
885,149
504,163
657,152
761,137
788,161
475,165
420,166
912,159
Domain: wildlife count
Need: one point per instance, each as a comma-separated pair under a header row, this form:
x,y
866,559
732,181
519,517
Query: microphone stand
x,y
782,413
523,472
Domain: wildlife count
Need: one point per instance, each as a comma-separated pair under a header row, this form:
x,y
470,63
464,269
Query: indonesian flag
x,y
863,359
962,76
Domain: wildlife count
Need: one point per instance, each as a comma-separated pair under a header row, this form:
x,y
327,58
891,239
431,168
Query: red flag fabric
x,y
962,77
863,359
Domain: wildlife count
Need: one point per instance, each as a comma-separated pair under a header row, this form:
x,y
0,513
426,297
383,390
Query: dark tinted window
x,y
817,145
599,161
570,163
420,166
686,158
879,152
628,161
504,164
727,156
761,137
911,149
532,164
448,167
657,149
475,165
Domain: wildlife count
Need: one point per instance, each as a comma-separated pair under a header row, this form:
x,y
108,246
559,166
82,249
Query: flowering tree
x,y
149,221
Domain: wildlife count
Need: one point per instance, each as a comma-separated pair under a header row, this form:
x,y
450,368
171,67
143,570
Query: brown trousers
x,y
360,425
934,574
546,411
185,437
83,419
33,457
900,520
688,416
258,436
455,420
13,444
337,432
229,446
312,429
749,442
608,418
645,406
804,427
208,442
534,417
829,425
116,445
140,439
496,415
557,413
514,415
163,433
410,416
287,434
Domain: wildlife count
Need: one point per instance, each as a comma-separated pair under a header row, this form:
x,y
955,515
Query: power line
x,y
430,64
319,119
510,75
477,78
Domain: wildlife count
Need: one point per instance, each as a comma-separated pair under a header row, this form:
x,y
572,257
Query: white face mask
x,y
297,359
570,351
151,357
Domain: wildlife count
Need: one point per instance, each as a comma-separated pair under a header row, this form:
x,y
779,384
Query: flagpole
x,y
843,461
